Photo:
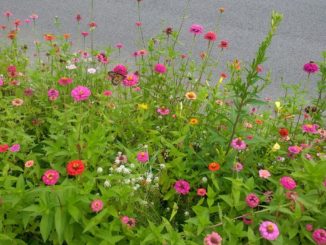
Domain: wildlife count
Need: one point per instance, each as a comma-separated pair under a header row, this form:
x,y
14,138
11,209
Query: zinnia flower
x,y
237,166
201,192
97,205
75,167
17,102
15,148
191,95
310,128
196,29
269,230
288,183
193,121
182,187
130,80
295,149
238,144
224,44
311,67
130,222
210,36
142,157
252,200
214,166
29,163
247,219
65,81
53,94
4,148
107,93
264,174
80,93
213,239
50,177
163,111
319,236
160,68
120,69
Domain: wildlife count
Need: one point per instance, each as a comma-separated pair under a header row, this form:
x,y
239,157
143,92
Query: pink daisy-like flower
x,y
288,183
196,29
201,192
130,222
252,200
210,36
213,239
53,94
163,111
238,144
310,128
80,93
17,102
238,167
264,174
121,69
107,93
160,68
130,80
269,230
319,236
14,148
63,81
97,205
50,177
311,67
142,157
29,163
182,187
295,149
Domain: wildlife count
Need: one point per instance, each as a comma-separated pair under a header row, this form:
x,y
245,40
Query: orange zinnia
x,y
214,166
66,36
49,37
258,121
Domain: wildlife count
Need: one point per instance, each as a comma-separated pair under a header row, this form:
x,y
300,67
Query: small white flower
x,y
148,180
132,165
186,213
162,165
145,146
107,184
127,181
99,170
91,70
71,67
204,179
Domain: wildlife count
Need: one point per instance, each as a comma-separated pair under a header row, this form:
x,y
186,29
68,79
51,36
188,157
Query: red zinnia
x,y
283,132
210,36
75,167
4,148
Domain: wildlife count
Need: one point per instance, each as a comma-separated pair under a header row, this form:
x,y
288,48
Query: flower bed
x,y
156,150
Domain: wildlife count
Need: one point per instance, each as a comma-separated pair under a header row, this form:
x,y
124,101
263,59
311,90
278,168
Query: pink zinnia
x,y
97,205
252,200
238,167
138,24
142,157
182,187
319,236
84,33
1,82
213,239
163,111
265,174
288,183
295,149
7,14
121,69
50,177
130,80
29,163
160,68
238,144
201,192
14,148
53,94
311,67
196,29
130,222
210,36
269,230
310,128
224,44
65,81
107,93
119,45
80,93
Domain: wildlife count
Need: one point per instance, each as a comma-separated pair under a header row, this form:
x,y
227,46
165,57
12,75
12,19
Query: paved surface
x,y
301,37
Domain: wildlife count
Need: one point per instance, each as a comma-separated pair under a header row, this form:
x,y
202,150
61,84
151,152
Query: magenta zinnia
x,y
288,183
97,205
213,239
269,230
319,236
130,80
142,157
160,68
311,67
196,29
238,144
80,93
182,187
50,177
252,200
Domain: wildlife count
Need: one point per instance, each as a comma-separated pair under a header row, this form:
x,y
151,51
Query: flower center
x,y
50,176
270,228
75,166
129,78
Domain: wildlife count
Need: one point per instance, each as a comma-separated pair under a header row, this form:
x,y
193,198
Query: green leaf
x,y
46,226
59,222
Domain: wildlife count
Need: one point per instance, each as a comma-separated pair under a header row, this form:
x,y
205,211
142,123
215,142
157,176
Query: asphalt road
x,y
301,36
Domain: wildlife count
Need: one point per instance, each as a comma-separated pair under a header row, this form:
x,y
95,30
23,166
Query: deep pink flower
x,y
248,218
92,25
50,177
210,36
130,222
269,230
238,144
309,227
142,157
138,24
311,67
130,80
63,81
28,92
1,82
78,18
121,69
238,166
163,111
7,14
160,68
288,183
107,93
295,149
80,93
224,44
14,148
53,94
319,236
97,205
27,21
213,239
4,148
310,128
196,29
252,200
119,45
182,187
84,33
